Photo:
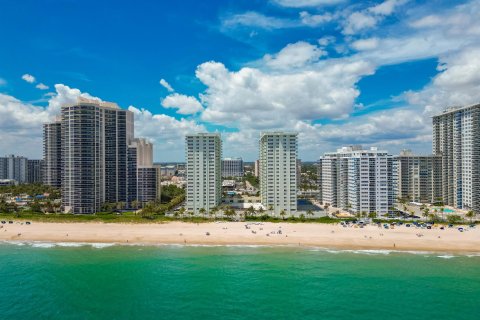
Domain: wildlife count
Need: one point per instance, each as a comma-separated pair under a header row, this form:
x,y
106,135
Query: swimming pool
x,y
445,210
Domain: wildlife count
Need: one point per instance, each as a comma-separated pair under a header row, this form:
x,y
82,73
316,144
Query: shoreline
x,y
305,235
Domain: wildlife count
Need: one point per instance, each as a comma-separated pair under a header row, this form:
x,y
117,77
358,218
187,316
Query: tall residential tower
x,y
95,136
52,153
361,181
204,171
456,138
278,171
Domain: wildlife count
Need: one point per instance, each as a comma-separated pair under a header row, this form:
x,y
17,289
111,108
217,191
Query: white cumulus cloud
x,y
294,55
29,78
42,86
166,85
184,104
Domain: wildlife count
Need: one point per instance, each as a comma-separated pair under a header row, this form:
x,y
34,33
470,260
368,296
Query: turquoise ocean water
x,y
45,281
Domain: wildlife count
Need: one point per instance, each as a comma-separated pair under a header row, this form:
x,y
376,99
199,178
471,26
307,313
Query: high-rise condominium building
x,y
14,168
95,136
278,171
456,138
232,167
419,177
52,153
148,184
358,180
143,178
35,171
257,168
204,171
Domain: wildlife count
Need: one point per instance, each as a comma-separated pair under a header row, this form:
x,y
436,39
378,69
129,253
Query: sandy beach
x,y
236,233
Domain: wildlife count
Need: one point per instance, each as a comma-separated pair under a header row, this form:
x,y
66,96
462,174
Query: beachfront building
x,y
34,171
358,180
14,168
456,138
204,171
52,153
148,184
278,171
319,180
143,178
419,177
95,136
232,167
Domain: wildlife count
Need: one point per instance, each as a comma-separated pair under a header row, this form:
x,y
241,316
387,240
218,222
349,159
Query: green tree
x,y
250,211
270,208
120,205
372,215
135,204
202,211
35,206
470,214
181,211
426,213
453,218
261,211
310,213
282,214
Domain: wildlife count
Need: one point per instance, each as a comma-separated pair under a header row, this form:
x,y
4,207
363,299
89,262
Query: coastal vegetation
x,y
31,190
254,181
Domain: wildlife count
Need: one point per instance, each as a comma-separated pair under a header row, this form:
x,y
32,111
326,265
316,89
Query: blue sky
x,y
338,71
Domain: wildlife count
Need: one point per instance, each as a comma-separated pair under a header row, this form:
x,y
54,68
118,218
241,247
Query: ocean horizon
x,y
46,280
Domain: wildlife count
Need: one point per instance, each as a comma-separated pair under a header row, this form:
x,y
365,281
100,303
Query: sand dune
x,y
298,234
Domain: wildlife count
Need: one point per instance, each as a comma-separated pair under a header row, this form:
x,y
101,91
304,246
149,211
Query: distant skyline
x,y
338,72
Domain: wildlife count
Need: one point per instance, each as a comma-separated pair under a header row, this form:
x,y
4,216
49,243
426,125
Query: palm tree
x,y
325,207
191,213
202,211
250,211
120,205
310,213
282,214
372,215
135,204
229,212
260,211
270,207
470,214
214,212
426,213
442,210
182,211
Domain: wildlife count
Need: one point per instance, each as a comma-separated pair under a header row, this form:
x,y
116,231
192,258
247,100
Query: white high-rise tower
x,y
278,171
204,171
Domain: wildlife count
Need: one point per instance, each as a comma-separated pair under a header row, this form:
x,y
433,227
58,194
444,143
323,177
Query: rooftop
x,y
96,102
453,109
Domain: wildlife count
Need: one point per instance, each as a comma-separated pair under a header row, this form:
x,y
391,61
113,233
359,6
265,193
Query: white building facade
x,y
456,138
204,171
358,180
278,171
